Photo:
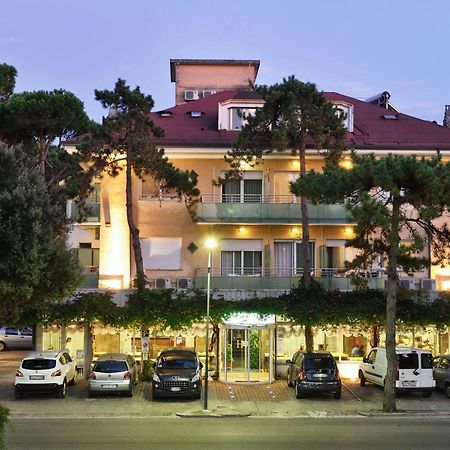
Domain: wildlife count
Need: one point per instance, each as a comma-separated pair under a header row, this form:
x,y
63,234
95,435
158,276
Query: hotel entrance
x,y
247,350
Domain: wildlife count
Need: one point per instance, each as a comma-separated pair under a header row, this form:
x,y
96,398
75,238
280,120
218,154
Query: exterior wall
x,y
211,77
114,270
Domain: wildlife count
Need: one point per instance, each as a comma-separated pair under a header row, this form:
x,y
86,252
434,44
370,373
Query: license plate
x,y
109,386
408,383
320,375
175,389
37,377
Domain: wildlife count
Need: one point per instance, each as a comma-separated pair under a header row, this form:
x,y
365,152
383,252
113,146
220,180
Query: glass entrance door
x,y
247,355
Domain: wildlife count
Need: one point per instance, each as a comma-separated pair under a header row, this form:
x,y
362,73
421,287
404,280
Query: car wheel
x,y
130,391
427,394
155,395
447,390
298,392
73,380
198,395
362,379
2,346
61,390
91,394
337,394
17,394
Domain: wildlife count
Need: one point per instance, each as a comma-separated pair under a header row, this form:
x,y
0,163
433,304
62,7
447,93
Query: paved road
x,y
244,433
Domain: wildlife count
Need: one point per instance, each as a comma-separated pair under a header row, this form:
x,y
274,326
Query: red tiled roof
x,y
371,129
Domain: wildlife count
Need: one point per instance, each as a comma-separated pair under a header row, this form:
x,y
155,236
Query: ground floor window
x,y
240,262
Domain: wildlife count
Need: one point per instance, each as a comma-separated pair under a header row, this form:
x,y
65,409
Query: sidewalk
x,y
274,400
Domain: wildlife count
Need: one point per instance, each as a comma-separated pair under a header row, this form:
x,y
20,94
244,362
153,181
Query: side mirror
x,y
364,359
154,365
288,361
200,364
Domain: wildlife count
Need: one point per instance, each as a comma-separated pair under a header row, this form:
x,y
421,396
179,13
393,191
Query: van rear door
x,y
426,374
408,370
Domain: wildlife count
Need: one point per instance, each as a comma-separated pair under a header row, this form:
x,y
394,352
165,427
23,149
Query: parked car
x,y
414,372
16,338
49,371
177,372
314,372
113,372
441,371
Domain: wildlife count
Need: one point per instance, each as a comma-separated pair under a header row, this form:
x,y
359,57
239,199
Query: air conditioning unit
x,y
163,283
408,283
208,92
185,283
191,95
428,284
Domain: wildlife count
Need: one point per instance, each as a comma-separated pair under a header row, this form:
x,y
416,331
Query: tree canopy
x,y
36,268
125,140
7,81
295,115
400,207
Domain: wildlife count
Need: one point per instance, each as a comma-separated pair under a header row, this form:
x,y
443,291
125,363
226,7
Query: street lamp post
x,y
210,244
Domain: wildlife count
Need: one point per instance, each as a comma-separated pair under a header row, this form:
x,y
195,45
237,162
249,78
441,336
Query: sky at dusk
x,y
355,47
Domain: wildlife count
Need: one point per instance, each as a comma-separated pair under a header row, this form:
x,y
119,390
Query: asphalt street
x,y
232,433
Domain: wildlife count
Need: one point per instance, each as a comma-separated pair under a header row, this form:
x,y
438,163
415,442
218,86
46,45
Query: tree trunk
x,y
134,231
375,340
389,401
309,336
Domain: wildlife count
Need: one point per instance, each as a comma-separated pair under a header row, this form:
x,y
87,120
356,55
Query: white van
x,y
414,372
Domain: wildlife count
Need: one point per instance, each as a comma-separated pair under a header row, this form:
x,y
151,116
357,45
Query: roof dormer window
x,y
345,111
233,113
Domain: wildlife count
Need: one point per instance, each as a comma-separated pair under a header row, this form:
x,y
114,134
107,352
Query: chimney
x,y
446,121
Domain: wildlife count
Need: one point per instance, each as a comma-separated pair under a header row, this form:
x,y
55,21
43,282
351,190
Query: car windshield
x,y
408,361
318,363
38,364
110,366
177,362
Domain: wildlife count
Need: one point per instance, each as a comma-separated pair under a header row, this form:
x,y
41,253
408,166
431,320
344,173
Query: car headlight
x,y
195,378
156,378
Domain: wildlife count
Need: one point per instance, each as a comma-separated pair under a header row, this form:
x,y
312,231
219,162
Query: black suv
x,y
314,372
177,373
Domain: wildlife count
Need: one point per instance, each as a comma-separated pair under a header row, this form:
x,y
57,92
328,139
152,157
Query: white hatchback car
x,y
45,371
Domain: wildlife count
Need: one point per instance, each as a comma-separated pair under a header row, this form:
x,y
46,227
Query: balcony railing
x,y
90,277
257,208
284,278
93,212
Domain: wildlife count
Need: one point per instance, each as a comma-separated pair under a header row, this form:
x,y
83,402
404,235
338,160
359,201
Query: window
x,y
426,360
241,257
247,190
161,253
150,188
345,110
289,257
371,357
238,117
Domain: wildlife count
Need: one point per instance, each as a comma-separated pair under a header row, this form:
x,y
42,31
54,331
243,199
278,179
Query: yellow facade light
x,y
346,163
210,243
295,164
241,230
348,230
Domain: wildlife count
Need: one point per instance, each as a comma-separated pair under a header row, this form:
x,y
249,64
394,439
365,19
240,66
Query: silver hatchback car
x,y
113,373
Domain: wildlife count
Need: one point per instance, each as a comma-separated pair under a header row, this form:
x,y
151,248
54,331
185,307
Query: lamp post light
x,y
210,244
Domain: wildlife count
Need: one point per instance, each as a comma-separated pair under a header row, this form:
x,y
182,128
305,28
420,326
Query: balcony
x,y
282,279
93,214
262,209
90,278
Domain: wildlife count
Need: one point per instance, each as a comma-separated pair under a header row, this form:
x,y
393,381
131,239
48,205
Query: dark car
x,y
314,372
441,372
177,373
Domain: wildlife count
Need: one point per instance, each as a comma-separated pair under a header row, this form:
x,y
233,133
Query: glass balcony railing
x,y
90,278
93,212
266,209
284,278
